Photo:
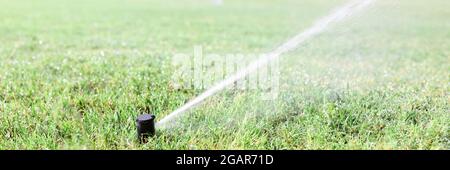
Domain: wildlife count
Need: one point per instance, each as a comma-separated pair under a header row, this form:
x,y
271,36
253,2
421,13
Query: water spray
x,y
336,16
217,2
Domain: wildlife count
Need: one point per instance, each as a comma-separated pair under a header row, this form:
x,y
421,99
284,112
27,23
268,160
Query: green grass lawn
x,y
75,75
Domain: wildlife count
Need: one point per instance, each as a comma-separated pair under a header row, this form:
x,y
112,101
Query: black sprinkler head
x,y
145,127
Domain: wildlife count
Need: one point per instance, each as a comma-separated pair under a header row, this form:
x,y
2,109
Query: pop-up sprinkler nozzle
x,y
145,127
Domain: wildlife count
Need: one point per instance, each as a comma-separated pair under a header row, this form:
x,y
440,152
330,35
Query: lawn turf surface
x,y
75,75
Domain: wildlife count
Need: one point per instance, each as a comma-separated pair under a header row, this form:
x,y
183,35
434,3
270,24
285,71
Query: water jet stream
x,y
319,26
